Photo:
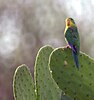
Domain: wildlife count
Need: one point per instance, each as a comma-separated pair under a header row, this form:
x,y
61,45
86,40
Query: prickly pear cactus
x,y
45,85
46,88
79,84
23,86
64,97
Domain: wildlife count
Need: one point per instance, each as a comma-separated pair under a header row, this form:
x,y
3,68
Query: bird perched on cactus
x,y
72,38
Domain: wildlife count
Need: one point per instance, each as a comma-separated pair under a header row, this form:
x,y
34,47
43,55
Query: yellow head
x,y
70,22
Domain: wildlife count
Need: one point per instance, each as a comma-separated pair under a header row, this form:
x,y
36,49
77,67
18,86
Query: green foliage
x,y
79,84
23,85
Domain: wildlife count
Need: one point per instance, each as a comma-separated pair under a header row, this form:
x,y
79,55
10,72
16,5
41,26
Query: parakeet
x,y
72,38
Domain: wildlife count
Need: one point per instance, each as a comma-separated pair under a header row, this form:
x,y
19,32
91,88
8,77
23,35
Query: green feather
x,y
72,36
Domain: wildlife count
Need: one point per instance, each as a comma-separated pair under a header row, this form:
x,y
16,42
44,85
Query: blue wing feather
x,y
75,54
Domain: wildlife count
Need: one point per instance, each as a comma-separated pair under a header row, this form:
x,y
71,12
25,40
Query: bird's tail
x,y
76,60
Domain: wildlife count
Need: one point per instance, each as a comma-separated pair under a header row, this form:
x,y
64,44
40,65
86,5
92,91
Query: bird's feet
x,y
68,46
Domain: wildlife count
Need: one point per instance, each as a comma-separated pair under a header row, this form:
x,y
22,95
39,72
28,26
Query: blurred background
x,y
26,25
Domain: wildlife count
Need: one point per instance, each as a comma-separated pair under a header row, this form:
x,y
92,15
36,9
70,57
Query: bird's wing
x,y
73,39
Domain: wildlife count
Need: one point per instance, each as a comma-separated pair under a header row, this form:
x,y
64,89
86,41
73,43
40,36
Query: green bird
x,y
72,38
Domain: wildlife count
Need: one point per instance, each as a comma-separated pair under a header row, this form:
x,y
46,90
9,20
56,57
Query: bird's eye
x,y
71,19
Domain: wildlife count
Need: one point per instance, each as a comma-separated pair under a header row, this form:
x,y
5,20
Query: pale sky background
x,y
48,14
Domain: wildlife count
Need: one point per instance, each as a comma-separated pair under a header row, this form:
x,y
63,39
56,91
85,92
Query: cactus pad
x,y
45,85
23,86
79,84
